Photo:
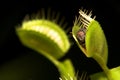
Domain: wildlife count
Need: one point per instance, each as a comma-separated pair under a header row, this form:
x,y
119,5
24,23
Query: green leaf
x,y
49,39
96,43
95,40
44,37
91,39
115,74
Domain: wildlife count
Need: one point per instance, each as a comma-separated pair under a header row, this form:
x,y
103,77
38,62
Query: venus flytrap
x,y
49,39
90,38
89,44
46,37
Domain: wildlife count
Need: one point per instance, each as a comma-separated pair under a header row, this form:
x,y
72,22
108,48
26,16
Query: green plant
x,y
49,39
90,38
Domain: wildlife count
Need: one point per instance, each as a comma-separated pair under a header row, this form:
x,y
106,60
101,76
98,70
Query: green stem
x,y
65,68
102,64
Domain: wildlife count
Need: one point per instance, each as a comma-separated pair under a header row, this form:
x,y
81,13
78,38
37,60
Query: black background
x,y
20,63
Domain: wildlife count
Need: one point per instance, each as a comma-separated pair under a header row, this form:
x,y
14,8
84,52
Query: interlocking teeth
x,y
85,18
86,15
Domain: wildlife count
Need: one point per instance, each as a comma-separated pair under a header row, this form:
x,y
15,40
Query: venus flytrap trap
x,y
46,37
90,38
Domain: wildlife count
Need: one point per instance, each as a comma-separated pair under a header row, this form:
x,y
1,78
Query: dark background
x,y
20,63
